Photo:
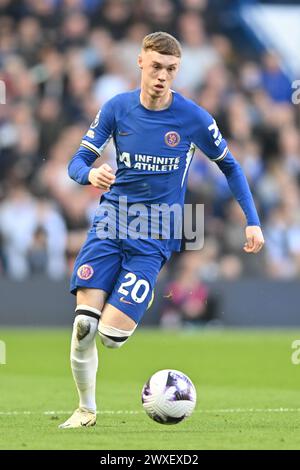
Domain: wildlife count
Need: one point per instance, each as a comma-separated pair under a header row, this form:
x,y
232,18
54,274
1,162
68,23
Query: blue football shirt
x,y
154,150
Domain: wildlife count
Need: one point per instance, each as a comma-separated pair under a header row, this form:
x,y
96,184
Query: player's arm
x,y
209,139
91,147
240,189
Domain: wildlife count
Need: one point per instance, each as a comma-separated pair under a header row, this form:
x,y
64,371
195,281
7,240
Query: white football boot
x,y
81,418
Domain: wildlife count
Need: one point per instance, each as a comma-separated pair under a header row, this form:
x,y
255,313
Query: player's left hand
x,y
255,239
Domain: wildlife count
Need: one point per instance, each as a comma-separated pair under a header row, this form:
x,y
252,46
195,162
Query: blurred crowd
x,y
61,60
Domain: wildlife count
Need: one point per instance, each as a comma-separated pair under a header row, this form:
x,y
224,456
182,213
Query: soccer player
x,y
155,132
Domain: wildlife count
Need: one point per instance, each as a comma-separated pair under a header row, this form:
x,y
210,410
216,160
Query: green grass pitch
x,y
248,391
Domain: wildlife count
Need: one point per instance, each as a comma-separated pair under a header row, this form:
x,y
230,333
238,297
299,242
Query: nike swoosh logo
x,y
85,423
125,301
124,133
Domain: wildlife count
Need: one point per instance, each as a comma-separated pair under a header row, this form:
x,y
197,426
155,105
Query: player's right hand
x,y
102,177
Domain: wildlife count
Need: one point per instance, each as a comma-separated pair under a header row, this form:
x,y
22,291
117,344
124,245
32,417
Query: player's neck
x,y
154,103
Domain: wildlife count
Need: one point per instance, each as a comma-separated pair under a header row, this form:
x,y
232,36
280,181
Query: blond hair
x,y
162,42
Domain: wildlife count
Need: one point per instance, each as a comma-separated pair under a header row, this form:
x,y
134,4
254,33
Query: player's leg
x,y
84,355
89,274
115,327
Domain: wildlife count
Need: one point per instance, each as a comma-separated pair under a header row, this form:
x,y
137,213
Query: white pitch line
x,y
136,412
252,410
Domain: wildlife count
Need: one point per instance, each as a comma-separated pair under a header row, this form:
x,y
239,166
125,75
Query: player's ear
x,y
140,61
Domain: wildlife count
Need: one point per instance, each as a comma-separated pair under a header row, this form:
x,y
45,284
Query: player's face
x,y
158,72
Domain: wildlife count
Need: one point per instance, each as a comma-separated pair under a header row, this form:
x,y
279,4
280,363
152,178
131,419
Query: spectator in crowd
x,y
186,296
29,226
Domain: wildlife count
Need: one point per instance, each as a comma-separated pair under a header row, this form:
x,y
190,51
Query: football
x,y
169,396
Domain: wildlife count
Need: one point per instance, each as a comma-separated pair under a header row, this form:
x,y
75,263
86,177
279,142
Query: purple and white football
x,y
169,396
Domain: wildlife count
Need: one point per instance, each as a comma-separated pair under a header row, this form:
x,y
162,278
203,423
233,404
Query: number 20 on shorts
x,y
139,290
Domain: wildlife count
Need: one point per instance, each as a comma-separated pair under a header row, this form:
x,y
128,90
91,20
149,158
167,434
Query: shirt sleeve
x,y
206,135
93,144
239,187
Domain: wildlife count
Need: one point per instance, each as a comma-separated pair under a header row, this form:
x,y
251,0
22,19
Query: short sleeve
x,y
207,136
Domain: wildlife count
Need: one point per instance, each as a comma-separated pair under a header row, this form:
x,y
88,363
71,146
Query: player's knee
x,y
85,325
112,337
